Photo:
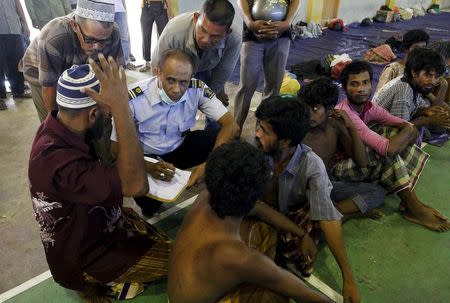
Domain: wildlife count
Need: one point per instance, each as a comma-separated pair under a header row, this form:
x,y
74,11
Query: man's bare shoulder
x,y
337,125
241,263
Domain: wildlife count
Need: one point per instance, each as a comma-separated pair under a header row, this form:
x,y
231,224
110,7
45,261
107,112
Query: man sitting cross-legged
x,y
395,162
332,137
300,186
220,255
92,243
164,108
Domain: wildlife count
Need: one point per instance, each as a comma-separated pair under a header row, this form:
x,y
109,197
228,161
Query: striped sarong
x,y
392,173
150,267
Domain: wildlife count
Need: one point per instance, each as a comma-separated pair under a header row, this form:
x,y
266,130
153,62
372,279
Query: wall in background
x,y
349,11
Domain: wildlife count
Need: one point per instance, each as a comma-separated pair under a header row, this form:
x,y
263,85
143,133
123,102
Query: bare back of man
x,y
210,261
195,273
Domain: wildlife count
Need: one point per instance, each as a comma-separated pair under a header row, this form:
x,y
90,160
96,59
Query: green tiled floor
x,y
393,260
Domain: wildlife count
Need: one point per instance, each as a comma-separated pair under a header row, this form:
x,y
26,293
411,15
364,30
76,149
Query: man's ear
x,y
196,16
73,25
92,114
285,143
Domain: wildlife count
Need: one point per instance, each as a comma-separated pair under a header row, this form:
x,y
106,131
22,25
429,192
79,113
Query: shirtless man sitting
x,y
333,136
211,260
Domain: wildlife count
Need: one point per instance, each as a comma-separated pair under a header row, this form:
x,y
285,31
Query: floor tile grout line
x,y
25,286
319,285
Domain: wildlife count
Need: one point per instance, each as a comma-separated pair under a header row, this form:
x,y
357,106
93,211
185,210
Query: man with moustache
x,y
395,161
300,188
164,108
209,38
91,241
403,97
66,41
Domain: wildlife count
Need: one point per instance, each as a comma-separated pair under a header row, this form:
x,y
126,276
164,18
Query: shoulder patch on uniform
x,y
208,93
195,83
134,92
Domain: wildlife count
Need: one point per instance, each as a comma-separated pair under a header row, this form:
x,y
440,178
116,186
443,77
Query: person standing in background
x,y
265,49
153,11
42,11
120,17
12,22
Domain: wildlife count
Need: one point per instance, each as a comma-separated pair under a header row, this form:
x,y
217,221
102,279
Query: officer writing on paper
x,y
164,108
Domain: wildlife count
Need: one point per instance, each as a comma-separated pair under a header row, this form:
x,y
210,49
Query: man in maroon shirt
x,y
89,238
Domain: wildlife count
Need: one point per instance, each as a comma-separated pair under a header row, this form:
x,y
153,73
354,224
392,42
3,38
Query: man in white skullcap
x,y
66,41
92,243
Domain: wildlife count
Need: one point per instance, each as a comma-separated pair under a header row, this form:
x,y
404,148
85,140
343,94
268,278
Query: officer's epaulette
x,y
195,83
207,92
134,92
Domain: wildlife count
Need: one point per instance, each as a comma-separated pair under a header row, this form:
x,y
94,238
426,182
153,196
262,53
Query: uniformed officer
x,y
164,108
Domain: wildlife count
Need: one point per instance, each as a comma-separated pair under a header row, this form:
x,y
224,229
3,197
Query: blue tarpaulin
x,y
356,40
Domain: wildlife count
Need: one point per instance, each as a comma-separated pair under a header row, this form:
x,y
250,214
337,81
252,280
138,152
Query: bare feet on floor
x,y
427,216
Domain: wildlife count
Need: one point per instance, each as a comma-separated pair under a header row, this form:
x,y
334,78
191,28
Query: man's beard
x,y
272,150
96,131
425,91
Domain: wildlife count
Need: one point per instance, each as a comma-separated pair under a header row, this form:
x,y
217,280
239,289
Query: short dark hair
x,y
354,68
320,91
220,12
235,176
424,59
414,36
288,117
176,53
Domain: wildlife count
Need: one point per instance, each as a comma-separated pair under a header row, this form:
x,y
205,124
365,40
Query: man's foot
x,y
147,66
374,214
26,94
130,66
3,105
428,217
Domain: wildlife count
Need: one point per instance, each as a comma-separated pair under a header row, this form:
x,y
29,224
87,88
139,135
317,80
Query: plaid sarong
x,y
392,173
150,267
289,245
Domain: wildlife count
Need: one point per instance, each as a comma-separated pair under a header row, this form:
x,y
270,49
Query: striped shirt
x,y
305,179
398,98
57,48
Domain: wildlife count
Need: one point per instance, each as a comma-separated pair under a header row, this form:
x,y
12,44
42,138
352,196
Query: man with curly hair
x,y
217,250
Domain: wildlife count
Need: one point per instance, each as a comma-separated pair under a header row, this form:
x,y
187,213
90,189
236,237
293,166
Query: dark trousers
x,y
152,12
193,151
11,51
